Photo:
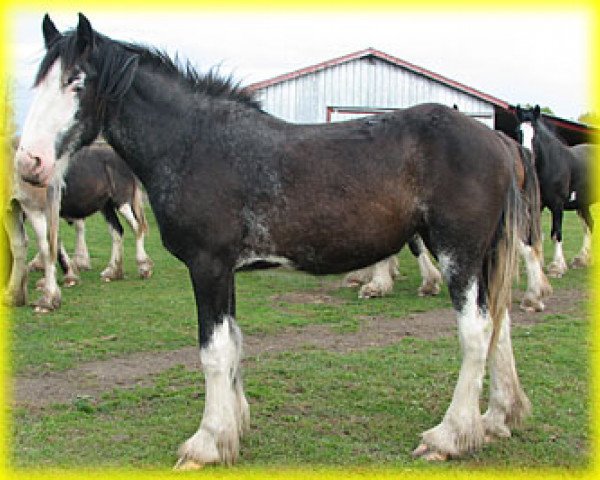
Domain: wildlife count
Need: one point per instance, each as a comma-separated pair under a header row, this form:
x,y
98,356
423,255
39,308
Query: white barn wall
x,y
367,83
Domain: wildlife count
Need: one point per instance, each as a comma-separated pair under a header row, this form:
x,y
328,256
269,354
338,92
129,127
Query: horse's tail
x,y
530,192
500,265
138,207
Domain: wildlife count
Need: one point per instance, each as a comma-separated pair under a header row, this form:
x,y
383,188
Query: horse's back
x,y
372,183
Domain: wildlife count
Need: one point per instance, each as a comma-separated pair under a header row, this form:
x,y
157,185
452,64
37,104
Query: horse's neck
x,y
145,129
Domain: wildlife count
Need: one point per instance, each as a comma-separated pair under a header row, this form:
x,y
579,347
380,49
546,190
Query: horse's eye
x,y
75,81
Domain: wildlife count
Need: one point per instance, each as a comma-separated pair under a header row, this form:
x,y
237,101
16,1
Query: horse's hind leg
x,y
537,283
16,290
357,278
508,404
71,277
114,269
558,266
461,429
81,257
382,281
431,277
584,258
144,262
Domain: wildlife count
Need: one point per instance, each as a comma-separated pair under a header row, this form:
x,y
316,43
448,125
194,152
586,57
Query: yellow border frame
x,y
590,7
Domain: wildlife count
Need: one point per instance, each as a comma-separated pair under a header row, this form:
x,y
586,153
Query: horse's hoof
x,y
556,271
531,304
82,263
187,464
40,284
426,453
580,262
70,281
108,275
429,289
48,303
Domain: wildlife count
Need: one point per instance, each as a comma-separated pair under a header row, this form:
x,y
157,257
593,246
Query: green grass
x,y
321,408
308,408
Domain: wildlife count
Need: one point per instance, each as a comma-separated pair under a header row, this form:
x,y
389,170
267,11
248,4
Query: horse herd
x,y
233,187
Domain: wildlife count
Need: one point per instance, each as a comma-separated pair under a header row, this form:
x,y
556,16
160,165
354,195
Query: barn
x,y
370,81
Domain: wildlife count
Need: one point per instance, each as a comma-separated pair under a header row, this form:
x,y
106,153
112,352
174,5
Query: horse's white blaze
x,y
461,429
528,132
52,112
225,407
573,196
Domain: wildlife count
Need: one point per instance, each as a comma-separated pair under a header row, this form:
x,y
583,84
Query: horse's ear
x,y
85,34
51,33
519,113
536,112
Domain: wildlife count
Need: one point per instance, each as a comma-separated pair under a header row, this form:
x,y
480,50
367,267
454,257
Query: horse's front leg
x,y
558,266
584,258
226,412
16,290
81,257
51,297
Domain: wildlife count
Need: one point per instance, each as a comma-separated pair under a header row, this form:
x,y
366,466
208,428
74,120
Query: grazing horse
x,y
96,180
565,177
231,185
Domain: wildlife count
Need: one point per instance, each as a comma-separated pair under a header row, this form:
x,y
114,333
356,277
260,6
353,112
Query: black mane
x,y
112,60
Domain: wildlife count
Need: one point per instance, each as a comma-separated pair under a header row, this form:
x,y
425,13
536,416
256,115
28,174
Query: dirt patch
x,y
93,378
306,297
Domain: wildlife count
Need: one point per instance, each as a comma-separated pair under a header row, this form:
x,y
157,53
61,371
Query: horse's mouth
x,y
34,180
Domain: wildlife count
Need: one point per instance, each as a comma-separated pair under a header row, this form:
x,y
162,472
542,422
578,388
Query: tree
x,y
589,118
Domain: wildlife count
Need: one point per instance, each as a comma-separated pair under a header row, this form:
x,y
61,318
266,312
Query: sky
x,y
520,57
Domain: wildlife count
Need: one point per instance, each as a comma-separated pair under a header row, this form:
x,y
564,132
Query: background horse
x,y
378,280
565,182
231,185
96,180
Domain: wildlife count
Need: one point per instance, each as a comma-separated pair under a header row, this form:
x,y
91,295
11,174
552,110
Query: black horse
x,y
565,179
230,185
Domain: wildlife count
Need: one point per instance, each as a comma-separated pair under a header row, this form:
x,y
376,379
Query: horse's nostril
x,y
38,161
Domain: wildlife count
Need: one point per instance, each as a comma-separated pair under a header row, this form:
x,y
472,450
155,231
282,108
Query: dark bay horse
x,y
565,177
231,185
97,179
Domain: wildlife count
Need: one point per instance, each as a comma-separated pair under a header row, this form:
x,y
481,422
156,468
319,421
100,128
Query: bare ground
x,y
94,378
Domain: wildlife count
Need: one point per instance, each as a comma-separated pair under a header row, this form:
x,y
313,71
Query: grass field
x,y
309,406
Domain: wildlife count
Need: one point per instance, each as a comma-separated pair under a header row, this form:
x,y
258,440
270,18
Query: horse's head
x,y
71,89
527,121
